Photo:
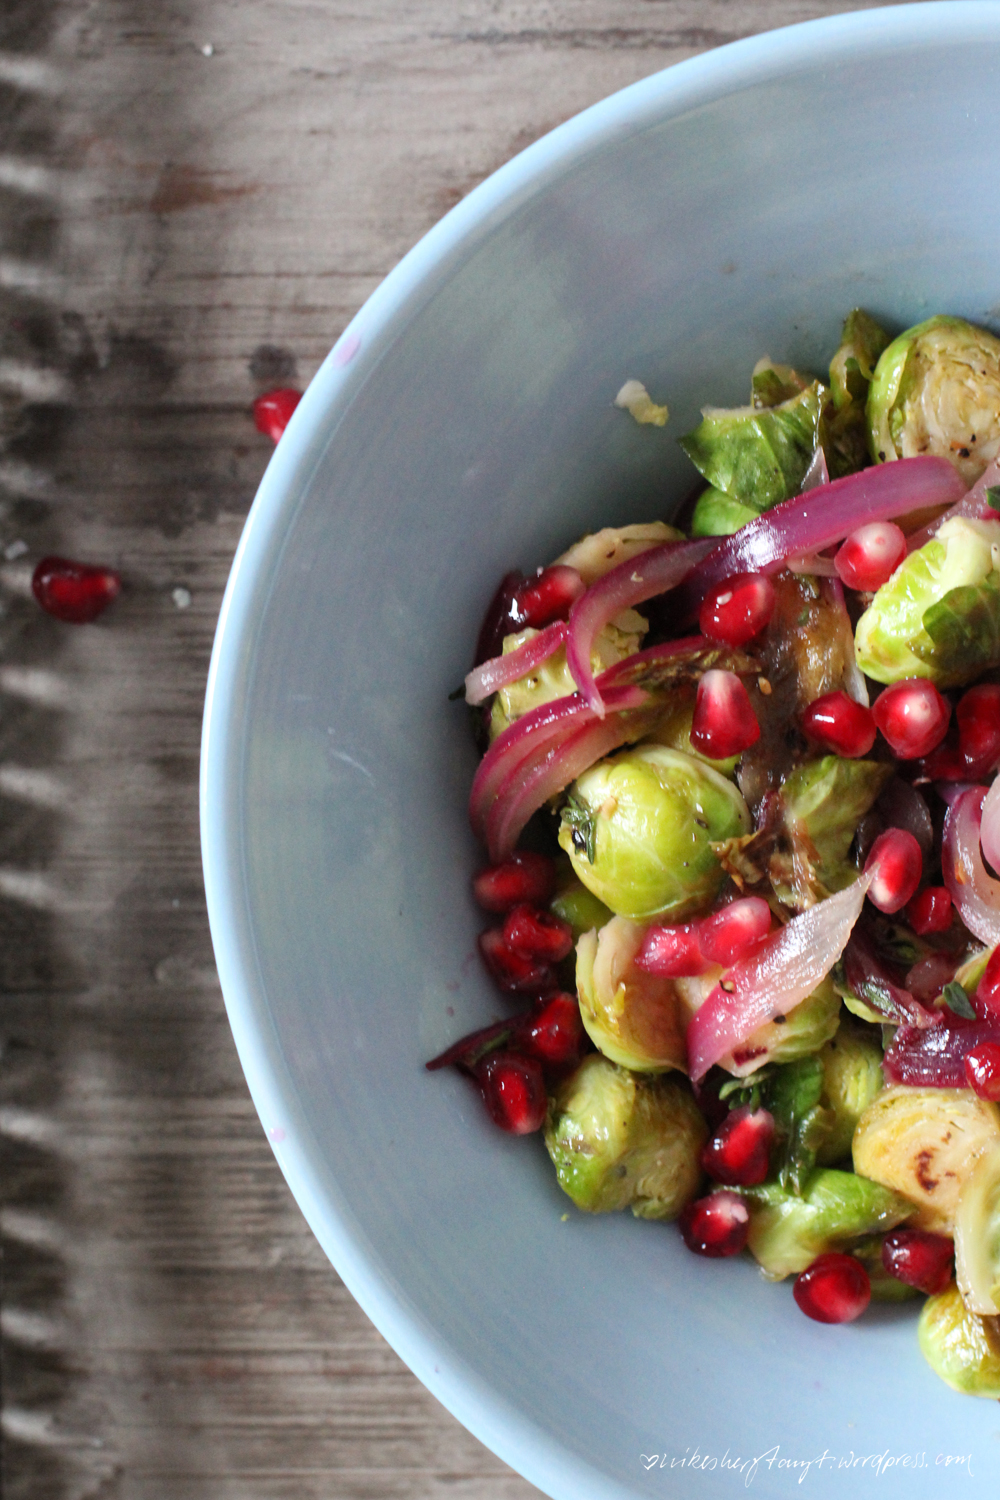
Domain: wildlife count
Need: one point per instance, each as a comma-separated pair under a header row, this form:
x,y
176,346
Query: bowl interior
x,y
736,206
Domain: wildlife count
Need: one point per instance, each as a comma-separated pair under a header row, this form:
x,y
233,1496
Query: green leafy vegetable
x,y
758,456
957,1000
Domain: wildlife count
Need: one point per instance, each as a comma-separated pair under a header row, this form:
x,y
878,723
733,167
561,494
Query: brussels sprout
x,y
804,1030
960,1346
553,679
674,731
787,1232
639,828
758,456
718,514
885,1287
772,384
620,1141
597,554
632,1017
853,366
852,1076
939,614
574,904
936,389
922,1142
977,1235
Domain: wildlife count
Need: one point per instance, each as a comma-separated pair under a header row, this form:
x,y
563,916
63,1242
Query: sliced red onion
x,y
816,520
975,893
496,673
869,980
973,503
989,832
538,727
935,1058
779,976
817,472
631,583
950,791
643,664
902,806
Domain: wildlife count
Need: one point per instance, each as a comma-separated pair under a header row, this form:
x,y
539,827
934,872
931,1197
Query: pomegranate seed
x,y
471,1049
839,724
870,555
898,863
834,1289
986,1000
72,591
738,609
736,931
706,1095
553,1033
929,975
532,932
982,1070
671,951
548,597
716,1225
978,715
498,620
739,1150
523,877
272,412
919,1258
510,970
513,1091
724,723
930,910
913,716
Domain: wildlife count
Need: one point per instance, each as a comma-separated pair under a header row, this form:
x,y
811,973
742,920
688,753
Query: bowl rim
x,y
698,80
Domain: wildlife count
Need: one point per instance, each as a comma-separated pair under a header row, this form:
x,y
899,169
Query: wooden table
x,y
196,198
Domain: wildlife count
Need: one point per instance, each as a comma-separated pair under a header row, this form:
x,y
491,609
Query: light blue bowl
x,y
737,205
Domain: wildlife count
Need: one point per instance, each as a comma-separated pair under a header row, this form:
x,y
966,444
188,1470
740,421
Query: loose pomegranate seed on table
x,y
982,1070
513,1089
715,1226
738,609
74,592
527,976
724,722
921,1259
539,601
525,876
736,931
272,411
673,952
930,910
898,863
839,724
739,1151
834,1289
870,555
913,717
532,932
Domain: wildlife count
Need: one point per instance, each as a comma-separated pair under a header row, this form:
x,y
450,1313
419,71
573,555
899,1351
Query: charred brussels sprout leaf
x,y
654,814
621,1141
772,384
959,1345
758,456
634,1018
936,389
788,1231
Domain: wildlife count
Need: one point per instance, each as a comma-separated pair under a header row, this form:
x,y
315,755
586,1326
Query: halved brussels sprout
x,y
852,1076
619,1141
959,1345
822,802
787,1232
936,389
597,554
758,455
634,1018
553,679
639,829
977,1235
922,1142
939,614
718,514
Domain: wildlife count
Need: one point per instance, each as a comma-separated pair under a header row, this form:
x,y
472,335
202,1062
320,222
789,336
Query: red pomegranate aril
x,y
912,716
834,1289
525,976
982,1070
553,1032
919,1258
978,717
986,1000
738,609
498,620
898,863
532,932
715,1226
930,910
928,976
72,591
673,952
550,596
870,555
724,722
733,933
513,1090
738,1152
525,876
839,724
470,1049
272,411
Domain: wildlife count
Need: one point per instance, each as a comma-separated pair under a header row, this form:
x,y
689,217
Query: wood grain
x,y
195,197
